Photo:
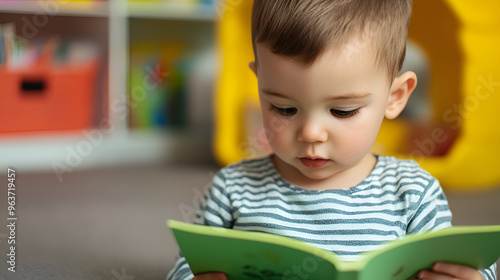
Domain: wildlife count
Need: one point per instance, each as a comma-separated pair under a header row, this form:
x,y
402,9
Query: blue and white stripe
x,y
396,199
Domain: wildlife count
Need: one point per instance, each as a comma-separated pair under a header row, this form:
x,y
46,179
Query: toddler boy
x,y
327,77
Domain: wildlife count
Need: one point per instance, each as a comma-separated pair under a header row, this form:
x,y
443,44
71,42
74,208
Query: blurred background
x,y
115,115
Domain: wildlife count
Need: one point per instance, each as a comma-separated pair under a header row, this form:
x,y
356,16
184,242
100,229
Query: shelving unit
x,y
114,25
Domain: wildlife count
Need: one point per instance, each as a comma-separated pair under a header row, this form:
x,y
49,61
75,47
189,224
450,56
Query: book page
x,y
463,245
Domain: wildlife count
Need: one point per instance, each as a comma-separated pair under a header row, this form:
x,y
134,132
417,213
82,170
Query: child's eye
x,y
344,114
284,111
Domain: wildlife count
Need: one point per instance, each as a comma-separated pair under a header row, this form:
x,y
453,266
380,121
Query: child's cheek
x,y
357,140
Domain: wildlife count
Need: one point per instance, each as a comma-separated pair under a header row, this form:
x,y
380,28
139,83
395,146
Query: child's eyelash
x,y
344,114
284,111
290,111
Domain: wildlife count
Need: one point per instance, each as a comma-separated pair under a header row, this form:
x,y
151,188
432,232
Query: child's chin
x,y
316,175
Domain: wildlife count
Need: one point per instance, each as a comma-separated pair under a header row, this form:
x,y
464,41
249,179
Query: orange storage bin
x,y
46,98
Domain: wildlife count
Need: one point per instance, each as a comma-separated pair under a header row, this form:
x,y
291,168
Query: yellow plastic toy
x,y
461,39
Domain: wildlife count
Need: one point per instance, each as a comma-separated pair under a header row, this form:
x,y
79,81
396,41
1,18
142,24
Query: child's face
x,y
322,120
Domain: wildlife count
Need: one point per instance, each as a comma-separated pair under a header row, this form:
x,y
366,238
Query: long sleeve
x,y
214,210
181,270
433,213
489,273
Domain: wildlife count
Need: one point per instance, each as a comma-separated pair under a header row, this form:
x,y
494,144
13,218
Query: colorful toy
x,y
462,145
157,94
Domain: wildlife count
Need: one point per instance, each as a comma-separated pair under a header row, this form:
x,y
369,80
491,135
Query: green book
x,y
252,255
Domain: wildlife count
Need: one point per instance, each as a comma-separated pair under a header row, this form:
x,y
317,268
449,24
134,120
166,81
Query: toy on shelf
x,y
461,147
157,93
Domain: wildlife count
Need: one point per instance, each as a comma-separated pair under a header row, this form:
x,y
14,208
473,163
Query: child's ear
x,y
253,67
400,92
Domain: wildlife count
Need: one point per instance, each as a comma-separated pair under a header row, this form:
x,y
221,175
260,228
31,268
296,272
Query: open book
x,y
252,255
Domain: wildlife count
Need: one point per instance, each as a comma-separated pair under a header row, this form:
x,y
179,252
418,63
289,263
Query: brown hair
x,y
303,29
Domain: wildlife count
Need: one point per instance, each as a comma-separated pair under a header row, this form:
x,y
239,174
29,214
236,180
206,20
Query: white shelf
x,y
56,8
95,148
171,10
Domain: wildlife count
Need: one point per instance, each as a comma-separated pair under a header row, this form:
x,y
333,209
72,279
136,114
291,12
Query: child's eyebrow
x,y
347,96
274,93
352,95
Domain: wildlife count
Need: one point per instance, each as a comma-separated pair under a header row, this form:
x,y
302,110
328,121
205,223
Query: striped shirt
x,y
396,199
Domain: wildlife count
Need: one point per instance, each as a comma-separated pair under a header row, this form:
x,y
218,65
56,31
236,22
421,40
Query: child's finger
x,y
431,275
456,270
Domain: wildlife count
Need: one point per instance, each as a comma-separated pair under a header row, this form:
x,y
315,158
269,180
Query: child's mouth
x,y
314,162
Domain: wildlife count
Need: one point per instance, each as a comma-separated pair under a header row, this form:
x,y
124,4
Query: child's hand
x,y
448,271
211,276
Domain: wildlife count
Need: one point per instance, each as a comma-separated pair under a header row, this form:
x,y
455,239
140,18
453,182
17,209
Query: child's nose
x,y
312,131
